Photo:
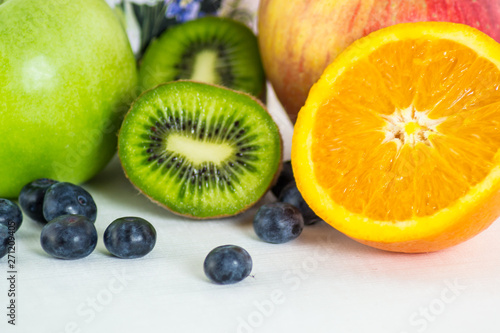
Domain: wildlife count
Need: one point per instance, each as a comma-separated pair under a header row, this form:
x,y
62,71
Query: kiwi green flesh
x,y
211,49
200,150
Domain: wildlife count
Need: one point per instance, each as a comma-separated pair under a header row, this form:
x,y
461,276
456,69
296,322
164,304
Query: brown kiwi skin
x,y
273,182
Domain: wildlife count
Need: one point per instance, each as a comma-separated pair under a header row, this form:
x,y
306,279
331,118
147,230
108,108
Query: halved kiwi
x,y
200,150
210,49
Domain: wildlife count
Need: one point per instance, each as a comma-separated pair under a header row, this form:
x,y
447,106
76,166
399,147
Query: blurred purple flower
x,y
183,10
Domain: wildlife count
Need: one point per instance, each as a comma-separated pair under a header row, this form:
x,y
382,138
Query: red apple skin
x,y
299,38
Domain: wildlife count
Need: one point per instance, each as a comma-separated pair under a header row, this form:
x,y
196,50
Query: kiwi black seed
x,y
200,150
210,49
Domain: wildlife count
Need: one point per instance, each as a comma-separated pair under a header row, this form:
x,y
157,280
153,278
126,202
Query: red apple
x,y
299,38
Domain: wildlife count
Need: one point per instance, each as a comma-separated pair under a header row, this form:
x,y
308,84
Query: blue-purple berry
x,y
32,196
68,199
69,237
227,264
130,237
10,215
4,240
290,194
284,178
278,222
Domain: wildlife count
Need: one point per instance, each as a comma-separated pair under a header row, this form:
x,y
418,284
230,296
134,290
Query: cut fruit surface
x,y
398,143
200,150
214,50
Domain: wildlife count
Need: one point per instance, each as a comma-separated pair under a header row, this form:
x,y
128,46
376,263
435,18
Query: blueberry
x,y
69,237
31,198
4,240
66,198
227,264
290,194
130,237
285,177
278,222
10,215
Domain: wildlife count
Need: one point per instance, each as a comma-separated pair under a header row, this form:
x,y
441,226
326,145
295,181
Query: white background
x,y
321,282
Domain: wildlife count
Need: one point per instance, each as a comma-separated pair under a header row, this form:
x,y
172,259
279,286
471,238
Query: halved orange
x,y
398,143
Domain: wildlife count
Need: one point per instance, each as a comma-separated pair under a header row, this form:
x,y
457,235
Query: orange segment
x,y
398,143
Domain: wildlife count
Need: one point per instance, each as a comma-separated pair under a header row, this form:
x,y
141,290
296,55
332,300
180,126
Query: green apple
x,y
67,74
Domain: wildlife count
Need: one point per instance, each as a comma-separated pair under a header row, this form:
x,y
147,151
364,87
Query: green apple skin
x,y
67,75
